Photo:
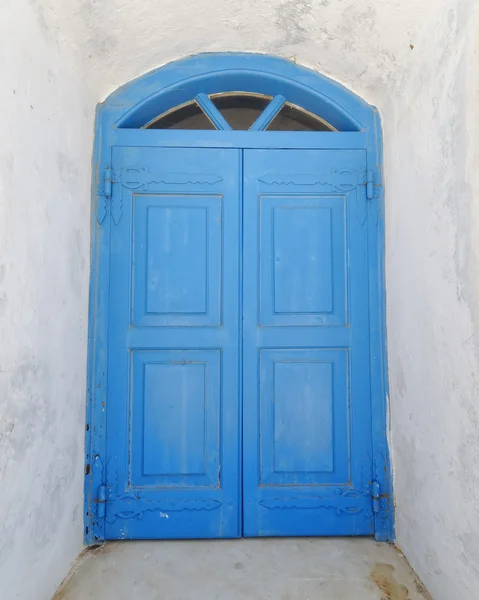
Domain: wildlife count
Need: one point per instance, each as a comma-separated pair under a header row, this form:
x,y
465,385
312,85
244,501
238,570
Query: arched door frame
x,y
118,123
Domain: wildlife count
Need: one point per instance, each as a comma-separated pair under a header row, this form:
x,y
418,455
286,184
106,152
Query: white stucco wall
x,y
428,98
45,149
432,134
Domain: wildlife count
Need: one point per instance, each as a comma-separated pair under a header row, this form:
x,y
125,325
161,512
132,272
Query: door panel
x,y
175,414
302,260
177,281
303,413
173,405
306,390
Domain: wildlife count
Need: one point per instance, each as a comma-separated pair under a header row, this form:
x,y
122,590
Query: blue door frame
x,y
118,124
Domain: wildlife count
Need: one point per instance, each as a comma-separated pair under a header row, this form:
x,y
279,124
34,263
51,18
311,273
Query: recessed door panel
x,y
304,427
175,413
177,245
302,260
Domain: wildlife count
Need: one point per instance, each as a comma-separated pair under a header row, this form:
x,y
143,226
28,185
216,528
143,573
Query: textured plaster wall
x,y
45,149
414,59
432,133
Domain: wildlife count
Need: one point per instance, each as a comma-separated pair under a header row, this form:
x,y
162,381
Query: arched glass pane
x,y
294,118
186,116
240,109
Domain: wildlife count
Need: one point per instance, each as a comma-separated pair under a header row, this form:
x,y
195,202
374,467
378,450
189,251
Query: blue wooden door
x,y
232,270
173,427
306,366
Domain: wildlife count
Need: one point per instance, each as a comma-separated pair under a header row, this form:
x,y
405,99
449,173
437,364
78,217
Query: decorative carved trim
x,y
117,207
361,209
134,505
134,178
112,472
102,203
350,502
339,181
140,178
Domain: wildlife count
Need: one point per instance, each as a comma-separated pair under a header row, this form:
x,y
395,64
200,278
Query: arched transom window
x,y
239,111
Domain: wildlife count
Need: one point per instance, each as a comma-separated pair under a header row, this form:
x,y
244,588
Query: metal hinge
x,y
104,185
101,502
375,496
104,192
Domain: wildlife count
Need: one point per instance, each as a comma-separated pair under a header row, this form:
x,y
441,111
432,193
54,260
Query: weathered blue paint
x,y
310,343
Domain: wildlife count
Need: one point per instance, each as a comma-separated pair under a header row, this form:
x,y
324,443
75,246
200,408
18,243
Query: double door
x,y
238,351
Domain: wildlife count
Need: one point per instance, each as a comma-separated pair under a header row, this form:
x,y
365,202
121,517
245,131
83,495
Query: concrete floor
x,y
253,569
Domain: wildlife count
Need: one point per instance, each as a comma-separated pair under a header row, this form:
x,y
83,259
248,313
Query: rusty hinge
x,y
375,496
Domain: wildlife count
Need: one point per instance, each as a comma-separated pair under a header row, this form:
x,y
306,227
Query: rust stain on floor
x,y
383,577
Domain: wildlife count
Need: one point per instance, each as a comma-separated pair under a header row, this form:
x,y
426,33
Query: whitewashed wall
x,y
45,148
417,61
432,153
